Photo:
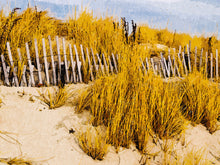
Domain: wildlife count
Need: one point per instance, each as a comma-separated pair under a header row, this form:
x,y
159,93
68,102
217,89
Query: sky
x,y
191,16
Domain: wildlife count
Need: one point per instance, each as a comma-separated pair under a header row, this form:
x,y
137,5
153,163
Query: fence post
x,y
19,54
59,58
24,69
38,61
180,49
174,60
90,65
144,69
110,64
45,62
105,63
5,70
52,61
163,68
30,65
73,64
206,64
65,61
94,61
78,64
115,64
189,62
184,63
200,63
171,65
23,75
147,63
100,64
195,59
12,64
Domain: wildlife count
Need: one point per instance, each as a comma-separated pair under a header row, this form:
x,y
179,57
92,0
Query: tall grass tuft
x,y
201,100
93,144
55,97
134,106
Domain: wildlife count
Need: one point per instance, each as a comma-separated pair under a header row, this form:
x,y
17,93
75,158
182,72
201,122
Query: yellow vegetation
x,y
93,144
55,97
131,105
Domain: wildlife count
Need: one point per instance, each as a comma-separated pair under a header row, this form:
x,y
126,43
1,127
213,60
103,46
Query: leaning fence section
x,y
48,71
82,65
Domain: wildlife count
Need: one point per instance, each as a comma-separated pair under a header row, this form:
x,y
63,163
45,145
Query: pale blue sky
x,y
192,16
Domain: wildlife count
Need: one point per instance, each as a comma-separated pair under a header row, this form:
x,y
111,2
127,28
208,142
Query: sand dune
x,y
42,135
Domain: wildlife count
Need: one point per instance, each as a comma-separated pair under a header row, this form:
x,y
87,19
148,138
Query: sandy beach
x,y
29,129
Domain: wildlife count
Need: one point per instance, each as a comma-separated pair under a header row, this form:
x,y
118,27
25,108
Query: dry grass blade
x,y
55,97
201,101
93,144
15,161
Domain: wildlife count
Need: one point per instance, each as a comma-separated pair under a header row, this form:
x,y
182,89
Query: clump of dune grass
x,y
201,100
134,106
16,161
55,97
93,144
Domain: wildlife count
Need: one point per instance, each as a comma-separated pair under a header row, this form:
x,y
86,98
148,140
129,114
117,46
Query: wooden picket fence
x,y
181,64
71,71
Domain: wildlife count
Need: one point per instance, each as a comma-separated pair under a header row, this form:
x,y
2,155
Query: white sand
x,y
44,136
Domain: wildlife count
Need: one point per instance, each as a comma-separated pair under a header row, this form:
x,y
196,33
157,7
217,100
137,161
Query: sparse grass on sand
x,y
55,97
